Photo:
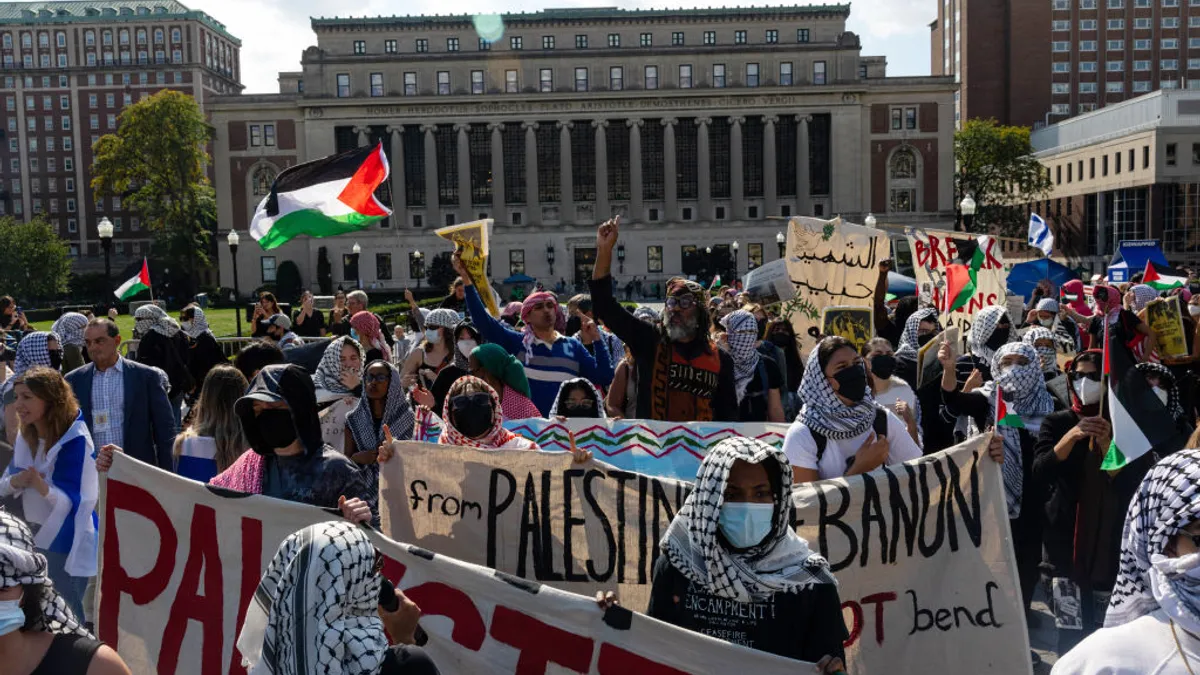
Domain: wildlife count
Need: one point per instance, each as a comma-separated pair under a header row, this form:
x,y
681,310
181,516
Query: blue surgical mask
x,y
745,524
12,617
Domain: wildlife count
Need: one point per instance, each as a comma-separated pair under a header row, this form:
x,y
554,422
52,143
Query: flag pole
x,y
1103,382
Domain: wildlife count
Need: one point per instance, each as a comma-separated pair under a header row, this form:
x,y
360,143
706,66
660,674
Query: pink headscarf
x,y
527,307
511,309
370,333
1079,304
1112,304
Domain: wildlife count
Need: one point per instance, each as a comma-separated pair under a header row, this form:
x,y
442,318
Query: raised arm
x,y
491,328
880,300
634,332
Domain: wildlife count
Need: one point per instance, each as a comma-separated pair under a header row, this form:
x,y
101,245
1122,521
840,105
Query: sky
x,y
275,32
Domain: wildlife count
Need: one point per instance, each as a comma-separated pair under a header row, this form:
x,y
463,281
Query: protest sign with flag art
x,y
1162,278
322,198
135,285
471,241
962,278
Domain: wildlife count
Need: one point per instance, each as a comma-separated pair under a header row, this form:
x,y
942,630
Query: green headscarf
x,y
503,365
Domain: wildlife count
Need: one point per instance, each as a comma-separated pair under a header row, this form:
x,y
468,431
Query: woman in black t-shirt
x,y
734,569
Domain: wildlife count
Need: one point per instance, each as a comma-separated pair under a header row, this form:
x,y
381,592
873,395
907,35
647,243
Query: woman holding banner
x,y
733,567
383,402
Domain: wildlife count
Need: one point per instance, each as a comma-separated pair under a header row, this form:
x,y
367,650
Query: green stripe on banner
x,y
313,223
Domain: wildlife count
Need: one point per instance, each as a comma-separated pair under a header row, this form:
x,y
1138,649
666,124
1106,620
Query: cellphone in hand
x,y
387,596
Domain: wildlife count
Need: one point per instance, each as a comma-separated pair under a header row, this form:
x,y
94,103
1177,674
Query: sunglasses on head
x,y
464,401
682,302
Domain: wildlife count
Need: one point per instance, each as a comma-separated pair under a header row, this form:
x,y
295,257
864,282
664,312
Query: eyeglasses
x,y
379,377
578,405
464,401
681,301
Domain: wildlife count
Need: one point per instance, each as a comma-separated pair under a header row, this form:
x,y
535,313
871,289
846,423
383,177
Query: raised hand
x,y
354,510
607,233
385,451
408,296
581,456
460,268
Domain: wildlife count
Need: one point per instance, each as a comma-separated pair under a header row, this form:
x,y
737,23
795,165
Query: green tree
x,y
997,168
156,163
34,262
441,271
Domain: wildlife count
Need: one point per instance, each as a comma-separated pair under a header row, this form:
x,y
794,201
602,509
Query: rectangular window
x,y
650,77
1116,4
1141,65
511,84
1170,64
269,135
485,45
343,85
443,82
547,42
801,35
516,42
1087,4
516,261
1116,45
616,78
1087,24
772,37
410,84
1060,46
452,44
360,47
422,45
389,46
255,135
897,119
1114,87
383,266
646,39
1170,43
719,75
376,84
1060,26
476,81
818,72
581,79
677,39
1170,22
267,265
1170,154
546,79
751,74
1115,66
1116,24
1060,88
581,42
685,76
1141,23
614,39
1087,45
710,37
1087,66
1087,87
739,37
910,118
785,74
654,259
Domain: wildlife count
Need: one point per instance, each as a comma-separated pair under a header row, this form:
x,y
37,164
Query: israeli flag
x,y
1040,235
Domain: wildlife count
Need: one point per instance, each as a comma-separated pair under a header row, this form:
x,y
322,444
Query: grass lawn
x,y
221,321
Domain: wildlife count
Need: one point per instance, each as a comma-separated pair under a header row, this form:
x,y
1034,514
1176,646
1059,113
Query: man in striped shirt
x,y
550,357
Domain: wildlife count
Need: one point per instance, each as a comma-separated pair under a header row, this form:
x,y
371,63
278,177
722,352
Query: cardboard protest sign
x,y
856,324
472,241
180,564
929,368
933,251
333,422
921,551
769,283
1165,318
830,263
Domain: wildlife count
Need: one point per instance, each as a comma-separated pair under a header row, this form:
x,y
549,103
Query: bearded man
x,y
681,375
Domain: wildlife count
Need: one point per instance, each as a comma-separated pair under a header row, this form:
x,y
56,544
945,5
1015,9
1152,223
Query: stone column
x,y
433,214
636,210
704,175
804,205
770,187
362,135
603,210
533,206
399,199
465,207
670,173
567,198
499,213
736,175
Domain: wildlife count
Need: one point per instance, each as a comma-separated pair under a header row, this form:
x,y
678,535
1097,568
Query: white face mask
x,y
1089,391
1194,310
465,346
1162,394
431,335
185,325
1047,322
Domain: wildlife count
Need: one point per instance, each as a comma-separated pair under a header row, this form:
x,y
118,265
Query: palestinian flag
x,y
1163,278
1004,418
136,285
1140,421
962,277
716,282
323,198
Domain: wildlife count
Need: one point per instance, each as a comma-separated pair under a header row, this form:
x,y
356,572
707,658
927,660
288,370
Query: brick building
x,y
1034,62
696,126
68,70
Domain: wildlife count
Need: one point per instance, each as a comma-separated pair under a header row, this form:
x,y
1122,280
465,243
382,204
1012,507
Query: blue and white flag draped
x,y
1040,236
67,513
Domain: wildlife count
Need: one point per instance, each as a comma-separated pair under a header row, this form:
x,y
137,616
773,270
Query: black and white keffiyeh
x,y
1167,501
329,370
909,343
742,335
1025,395
22,565
315,608
33,351
571,384
1142,295
199,324
1047,356
154,318
69,328
783,564
982,327
1166,381
824,412
397,415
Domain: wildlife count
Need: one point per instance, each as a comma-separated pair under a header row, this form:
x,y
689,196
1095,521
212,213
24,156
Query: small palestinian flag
x,y
1004,418
716,282
1140,421
136,285
962,277
323,198
1163,278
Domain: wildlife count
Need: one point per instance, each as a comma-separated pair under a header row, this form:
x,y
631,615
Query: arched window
x,y
903,181
262,179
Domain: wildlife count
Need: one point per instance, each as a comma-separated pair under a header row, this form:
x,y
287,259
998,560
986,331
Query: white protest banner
x,y
180,564
921,551
933,251
830,263
769,283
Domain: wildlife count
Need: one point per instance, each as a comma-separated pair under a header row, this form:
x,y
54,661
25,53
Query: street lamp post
x,y
870,221
357,250
734,247
782,241
232,239
621,257
550,256
105,230
418,268
967,206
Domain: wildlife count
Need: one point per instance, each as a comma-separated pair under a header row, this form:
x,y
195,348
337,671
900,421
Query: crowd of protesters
x,y
1118,549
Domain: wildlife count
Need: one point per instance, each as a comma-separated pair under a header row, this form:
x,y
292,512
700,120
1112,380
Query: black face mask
x,y
276,427
923,340
999,337
852,382
473,421
883,366
56,357
782,339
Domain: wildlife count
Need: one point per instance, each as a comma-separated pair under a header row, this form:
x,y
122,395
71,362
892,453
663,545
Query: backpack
x,y
880,426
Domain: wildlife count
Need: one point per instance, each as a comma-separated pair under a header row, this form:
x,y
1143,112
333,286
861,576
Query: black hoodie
x,y
320,474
